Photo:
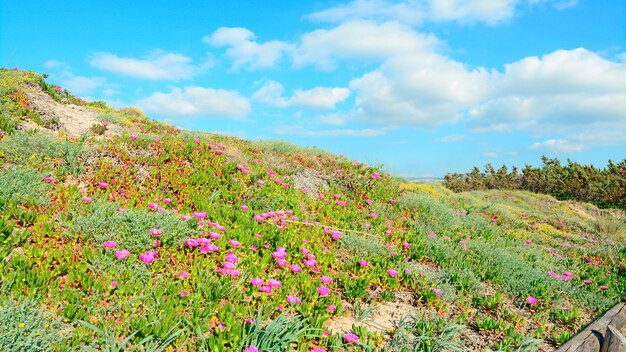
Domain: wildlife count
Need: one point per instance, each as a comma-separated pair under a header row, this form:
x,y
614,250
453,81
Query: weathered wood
x,y
614,341
591,338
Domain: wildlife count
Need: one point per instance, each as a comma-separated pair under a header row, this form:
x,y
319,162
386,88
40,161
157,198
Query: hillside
x,y
118,231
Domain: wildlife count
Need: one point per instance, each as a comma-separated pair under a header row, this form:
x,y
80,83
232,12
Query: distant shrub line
x,y
605,187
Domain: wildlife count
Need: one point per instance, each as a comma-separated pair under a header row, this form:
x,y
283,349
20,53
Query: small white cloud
x,y
80,85
198,101
412,12
320,98
452,138
565,4
56,64
331,119
488,11
244,51
110,92
347,132
158,65
490,154
557,146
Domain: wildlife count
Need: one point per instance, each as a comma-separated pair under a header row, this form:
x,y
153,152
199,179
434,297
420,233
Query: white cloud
x,y
347,132
557,146
559,91
157,65
411,12
244,51
425,90
331,119
56,64
452,138
361,41
80,85
490,154
271,93
198,101
417,12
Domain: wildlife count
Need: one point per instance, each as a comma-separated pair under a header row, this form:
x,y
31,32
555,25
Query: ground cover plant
x,y
160,239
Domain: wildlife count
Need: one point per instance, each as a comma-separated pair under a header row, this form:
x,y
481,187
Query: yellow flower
x,y
21,325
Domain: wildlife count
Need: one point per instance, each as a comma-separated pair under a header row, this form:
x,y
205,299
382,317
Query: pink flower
x,y
351,338
406,245
121,254
214,235
184,275
373,215
295,268
331,308
363,262
274,283
200,215
231,257
153,205
185,217
234,243
256,282
265,289
244,207
86,199
184,293
392,273
317,349
155,232
326,280
157,140
48,179
109,244
113,284
531,300
103,185
167,200
281,262
294,299
604,287
191,243
587,282
197,140
133,137
251,348
260,182
436,291
148,257
323,291
279,255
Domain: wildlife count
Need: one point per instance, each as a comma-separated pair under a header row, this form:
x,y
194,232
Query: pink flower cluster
x,y
567,276
336,235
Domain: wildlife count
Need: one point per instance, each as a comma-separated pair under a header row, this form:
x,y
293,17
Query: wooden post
x,y
592,337
614,341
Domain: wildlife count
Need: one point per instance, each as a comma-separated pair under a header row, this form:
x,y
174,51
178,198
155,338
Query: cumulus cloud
x,y
157,65
271,93
425,90
557,146
362,41
563,89
244,50
417,12
198,101
346,132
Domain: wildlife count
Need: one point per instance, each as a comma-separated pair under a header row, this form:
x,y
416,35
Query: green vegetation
x,y
586,183
158,239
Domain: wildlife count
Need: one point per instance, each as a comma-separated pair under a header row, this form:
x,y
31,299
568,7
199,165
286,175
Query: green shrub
x,y
24,186
26,327
25,148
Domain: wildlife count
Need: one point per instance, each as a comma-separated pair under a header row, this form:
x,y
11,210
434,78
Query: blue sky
x,y
424,87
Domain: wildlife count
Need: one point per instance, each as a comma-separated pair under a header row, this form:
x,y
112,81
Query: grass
x,y
213,212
